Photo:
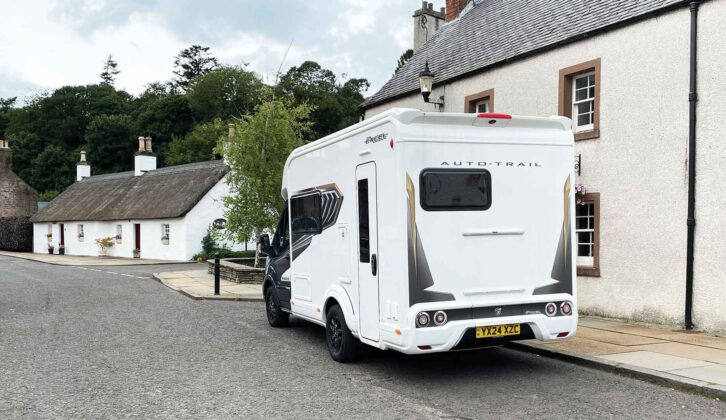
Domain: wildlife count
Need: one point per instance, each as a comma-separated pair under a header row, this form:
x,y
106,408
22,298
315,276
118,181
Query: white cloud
x,y
51,43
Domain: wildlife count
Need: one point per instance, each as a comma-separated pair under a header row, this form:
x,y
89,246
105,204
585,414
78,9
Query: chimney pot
x,y
148,144
231,129
83,169
431,6
83,156
142,145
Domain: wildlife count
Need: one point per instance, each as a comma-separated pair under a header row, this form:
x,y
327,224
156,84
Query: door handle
x,y
374,264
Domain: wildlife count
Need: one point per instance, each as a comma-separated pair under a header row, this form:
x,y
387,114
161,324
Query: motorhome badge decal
x,y
376,138
331,201
490,164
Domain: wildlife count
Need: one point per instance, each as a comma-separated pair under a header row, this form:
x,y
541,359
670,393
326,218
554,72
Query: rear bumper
x,y
459,335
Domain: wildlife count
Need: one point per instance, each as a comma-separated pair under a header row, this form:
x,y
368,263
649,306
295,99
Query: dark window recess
x,y
363,229
450,189
306,216
281,240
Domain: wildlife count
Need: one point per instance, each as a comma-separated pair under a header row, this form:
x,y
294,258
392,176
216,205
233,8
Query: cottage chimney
x,y
454,8
426,22
144,159
83,169
231,130
6,156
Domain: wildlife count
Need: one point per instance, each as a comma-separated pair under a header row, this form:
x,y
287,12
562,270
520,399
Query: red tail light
x,y
563,334
424,347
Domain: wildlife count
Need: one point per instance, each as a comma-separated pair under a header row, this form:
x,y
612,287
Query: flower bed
x,y
236,271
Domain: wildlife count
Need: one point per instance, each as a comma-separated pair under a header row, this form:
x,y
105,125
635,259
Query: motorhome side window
x,y
451,189
305,214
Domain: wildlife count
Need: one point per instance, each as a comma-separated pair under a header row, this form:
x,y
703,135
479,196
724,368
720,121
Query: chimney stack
x,y
454,8
231,130
144,159
426,22
6,156
83,169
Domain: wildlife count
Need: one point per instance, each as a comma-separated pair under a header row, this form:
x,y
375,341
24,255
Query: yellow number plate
x,y
497,331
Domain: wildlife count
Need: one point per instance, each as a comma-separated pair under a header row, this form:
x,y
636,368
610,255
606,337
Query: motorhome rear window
x,y
451,189
305,214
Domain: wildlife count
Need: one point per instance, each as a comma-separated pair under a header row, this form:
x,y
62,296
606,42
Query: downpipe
x,y
691,221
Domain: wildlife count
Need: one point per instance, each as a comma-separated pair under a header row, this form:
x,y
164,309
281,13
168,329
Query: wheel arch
x,y
338,295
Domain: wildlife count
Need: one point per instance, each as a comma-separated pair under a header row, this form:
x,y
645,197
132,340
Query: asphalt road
x,y
77,343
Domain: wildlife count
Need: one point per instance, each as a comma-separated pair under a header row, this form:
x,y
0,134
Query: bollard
x,y
216,274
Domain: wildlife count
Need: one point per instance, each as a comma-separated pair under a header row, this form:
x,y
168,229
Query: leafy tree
x,y
190,63
224,93
335,105
110,71
26,147
403,59
197,145
256,156
48,195
5,105
53,169
165,118
111,145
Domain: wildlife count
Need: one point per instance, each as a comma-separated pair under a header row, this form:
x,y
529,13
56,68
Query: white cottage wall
x,y
639,162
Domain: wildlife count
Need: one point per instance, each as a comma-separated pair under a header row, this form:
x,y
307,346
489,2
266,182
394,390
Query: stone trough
x,y
238,270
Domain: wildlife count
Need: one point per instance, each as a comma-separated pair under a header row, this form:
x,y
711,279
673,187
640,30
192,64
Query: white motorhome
x,y
426,232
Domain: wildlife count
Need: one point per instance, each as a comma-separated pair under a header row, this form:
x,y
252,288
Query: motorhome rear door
x,y
367,250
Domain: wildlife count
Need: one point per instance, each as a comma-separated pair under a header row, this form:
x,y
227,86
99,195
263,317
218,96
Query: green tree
x,y
335,106
110,71
164,119
54,169
111,145
403,59
26,147
197,145
225,93
6,105
190,63
256,156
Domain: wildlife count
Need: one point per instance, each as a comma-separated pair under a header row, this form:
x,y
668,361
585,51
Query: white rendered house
x,y
163,213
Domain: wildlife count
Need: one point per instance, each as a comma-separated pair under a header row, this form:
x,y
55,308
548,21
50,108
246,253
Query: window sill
x,y
588,271
587,135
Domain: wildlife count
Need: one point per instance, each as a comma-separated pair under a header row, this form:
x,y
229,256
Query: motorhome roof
x,y
406,117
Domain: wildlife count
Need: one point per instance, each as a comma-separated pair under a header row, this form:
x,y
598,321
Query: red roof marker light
x,y
494,116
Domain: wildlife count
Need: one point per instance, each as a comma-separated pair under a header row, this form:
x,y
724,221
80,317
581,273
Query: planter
x,y
102,252
137,253
61,251
80,239
118,241
165,242
50,251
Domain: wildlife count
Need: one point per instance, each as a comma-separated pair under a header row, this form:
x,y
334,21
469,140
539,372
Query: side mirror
x,y
265,247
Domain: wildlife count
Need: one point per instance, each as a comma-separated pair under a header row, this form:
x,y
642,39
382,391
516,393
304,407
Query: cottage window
x,y
80,233
49,235
583,103
165,233
119,234
480,102
587,232
579,98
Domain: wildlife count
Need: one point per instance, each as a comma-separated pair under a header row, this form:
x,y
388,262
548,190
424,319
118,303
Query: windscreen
x,y
446,189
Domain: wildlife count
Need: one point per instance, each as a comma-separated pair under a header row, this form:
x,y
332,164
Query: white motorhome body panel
x,y
516,252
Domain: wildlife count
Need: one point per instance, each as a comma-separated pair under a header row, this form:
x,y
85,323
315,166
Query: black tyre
x,y
343,347
275,315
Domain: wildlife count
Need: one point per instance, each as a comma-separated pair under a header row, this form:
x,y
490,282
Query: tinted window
x,y
363,229
305,211
446,189
281,240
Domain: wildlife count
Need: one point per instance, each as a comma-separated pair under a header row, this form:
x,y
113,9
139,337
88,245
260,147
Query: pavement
x,y
84,260
198,284
113,343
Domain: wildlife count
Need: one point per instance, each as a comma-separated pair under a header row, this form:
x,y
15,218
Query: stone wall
x,y
16,234
237,273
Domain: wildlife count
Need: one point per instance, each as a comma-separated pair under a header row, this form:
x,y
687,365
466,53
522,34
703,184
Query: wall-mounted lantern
x,y
426,81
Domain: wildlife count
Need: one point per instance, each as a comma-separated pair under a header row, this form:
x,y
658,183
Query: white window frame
x,y
486,102
586,261
119,232
587,127
80,234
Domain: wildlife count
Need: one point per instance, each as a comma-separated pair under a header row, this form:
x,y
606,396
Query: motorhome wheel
x,y
275,316
342,345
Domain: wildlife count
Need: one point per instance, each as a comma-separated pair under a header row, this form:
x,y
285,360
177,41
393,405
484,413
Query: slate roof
x,y
159,194
494,32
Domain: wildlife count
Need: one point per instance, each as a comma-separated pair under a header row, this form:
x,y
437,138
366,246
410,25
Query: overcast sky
x,y
45,44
